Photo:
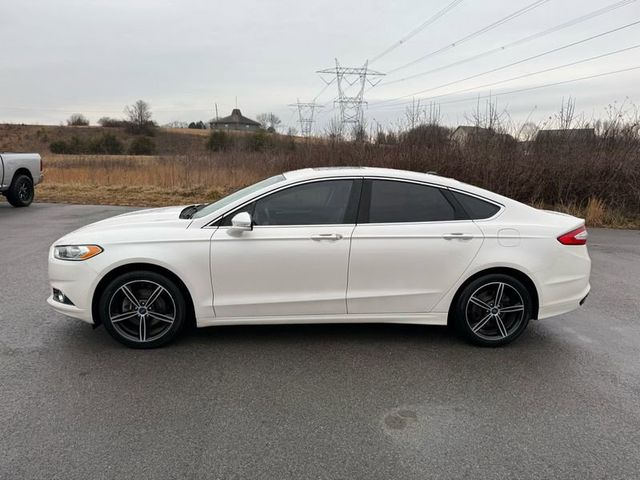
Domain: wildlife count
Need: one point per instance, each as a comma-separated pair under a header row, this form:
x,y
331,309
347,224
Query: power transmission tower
x,y
306,112
351,111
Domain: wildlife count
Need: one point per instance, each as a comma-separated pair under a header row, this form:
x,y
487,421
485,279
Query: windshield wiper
x,y
190,211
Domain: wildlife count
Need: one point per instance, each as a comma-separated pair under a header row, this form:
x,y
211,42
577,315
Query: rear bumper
x,y
563,306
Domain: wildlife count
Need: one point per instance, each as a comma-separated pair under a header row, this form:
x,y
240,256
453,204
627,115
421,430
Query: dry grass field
x,y
598,179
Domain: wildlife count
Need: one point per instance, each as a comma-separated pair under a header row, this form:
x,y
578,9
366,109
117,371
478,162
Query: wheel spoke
x,y
161,317
501,327
499,293
513,308
481,323
479,303
123,316
130,296
142,333
154,296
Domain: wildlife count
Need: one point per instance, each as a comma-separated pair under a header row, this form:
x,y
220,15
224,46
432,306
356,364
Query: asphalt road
x,y
315,402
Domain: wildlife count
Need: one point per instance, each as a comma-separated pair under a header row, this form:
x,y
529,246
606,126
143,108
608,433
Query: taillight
x,y
574,237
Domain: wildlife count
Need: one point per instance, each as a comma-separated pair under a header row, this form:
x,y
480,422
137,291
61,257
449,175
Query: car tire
x,y
492,310
143,309
21,192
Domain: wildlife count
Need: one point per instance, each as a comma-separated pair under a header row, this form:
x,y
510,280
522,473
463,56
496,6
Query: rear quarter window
x,y
476,207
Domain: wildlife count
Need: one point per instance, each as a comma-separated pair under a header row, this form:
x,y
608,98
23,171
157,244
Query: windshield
x,y
229,199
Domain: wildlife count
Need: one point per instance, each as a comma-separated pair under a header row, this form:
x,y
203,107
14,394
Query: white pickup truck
x,y
19,174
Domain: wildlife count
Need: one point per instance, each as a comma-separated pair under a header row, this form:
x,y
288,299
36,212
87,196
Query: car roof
x,y
324,172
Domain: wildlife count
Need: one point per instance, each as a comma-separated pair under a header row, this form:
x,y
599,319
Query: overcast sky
x,y
58,57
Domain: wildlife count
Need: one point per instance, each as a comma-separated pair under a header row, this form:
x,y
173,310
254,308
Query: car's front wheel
x,y
493,310
142,309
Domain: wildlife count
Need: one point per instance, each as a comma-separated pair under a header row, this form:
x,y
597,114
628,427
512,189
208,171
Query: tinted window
x,y
317,203
476,208
407,202
226,221
229,199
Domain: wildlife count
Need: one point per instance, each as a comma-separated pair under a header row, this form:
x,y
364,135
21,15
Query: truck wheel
x,y
20,193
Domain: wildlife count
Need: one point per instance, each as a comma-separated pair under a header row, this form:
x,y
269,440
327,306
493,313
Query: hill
x,y
37,138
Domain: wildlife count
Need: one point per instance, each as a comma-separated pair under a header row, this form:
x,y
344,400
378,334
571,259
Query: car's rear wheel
x,y
21,192
493,310
143,309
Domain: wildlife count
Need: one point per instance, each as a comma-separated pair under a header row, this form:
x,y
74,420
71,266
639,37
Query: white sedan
x,y
326,245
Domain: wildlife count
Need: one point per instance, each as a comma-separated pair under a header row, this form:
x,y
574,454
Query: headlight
x,y
76,252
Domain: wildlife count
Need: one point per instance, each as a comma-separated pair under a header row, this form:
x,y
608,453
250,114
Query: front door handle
x,y
326,236
457,236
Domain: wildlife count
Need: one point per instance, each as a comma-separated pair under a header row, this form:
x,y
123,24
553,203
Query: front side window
x,y
229,199
318,203
393,202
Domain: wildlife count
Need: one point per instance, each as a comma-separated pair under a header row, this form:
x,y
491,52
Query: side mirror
x,y
242,221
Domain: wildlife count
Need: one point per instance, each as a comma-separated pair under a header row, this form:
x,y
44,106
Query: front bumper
x,y
70,310
77,280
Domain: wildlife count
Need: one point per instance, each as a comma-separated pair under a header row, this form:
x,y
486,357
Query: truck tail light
x,y
574,237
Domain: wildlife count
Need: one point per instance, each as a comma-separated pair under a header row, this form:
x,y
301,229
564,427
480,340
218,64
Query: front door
x,y
408,248
295,259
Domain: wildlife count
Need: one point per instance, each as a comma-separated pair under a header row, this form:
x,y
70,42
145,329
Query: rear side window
x,y
394,202
475,207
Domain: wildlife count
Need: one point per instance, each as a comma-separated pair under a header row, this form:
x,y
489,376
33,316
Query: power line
x,y
511,64
528,38
489,27
519,77
510,92
417,30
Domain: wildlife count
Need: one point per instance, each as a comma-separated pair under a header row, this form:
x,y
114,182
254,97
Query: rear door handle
x,y
326,236
457,236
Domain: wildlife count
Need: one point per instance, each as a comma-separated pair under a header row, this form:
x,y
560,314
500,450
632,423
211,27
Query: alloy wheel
x,y
24,193
495,311
142,311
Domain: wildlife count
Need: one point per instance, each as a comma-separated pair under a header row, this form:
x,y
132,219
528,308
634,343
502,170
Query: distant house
x,y
235,121
465,134
566,134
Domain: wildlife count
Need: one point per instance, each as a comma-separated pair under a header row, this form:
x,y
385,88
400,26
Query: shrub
x,y
219,141
259,141
142,146
59,146
111,122
107,144
111,145
78,120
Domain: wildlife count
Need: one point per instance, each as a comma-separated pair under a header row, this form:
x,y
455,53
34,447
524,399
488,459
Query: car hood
x,y
150,219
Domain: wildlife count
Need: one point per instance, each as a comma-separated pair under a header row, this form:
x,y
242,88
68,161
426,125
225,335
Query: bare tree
x,y
334,130
566,114
139,117
269,121
413,114
491,118
78,120
359,132
433,115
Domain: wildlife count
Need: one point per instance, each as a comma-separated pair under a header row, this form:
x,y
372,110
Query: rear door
x,y
409,247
